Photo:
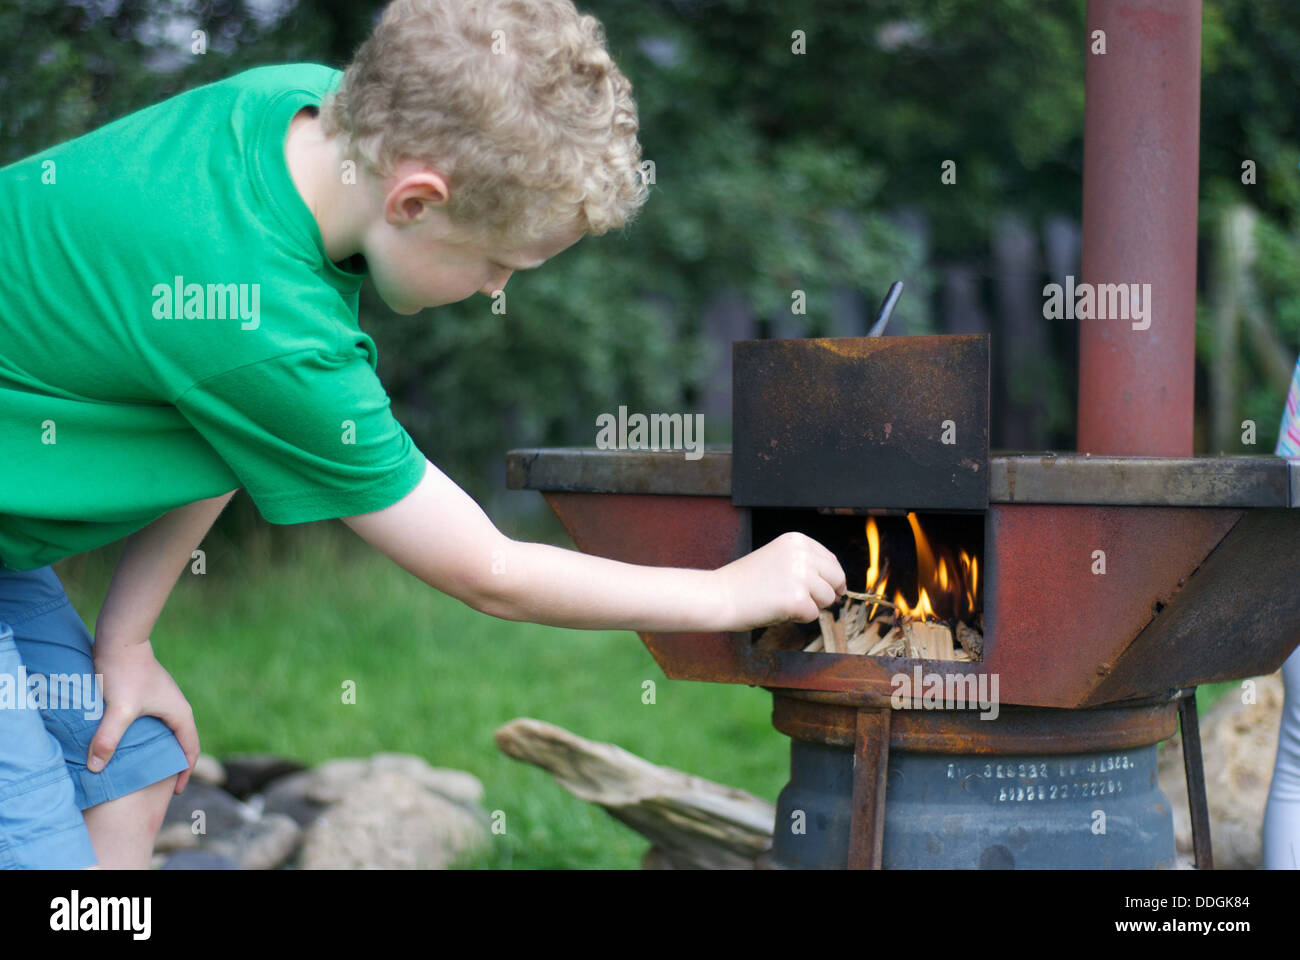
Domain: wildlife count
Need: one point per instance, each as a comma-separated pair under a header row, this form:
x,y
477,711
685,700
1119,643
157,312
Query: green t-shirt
x,y
171,329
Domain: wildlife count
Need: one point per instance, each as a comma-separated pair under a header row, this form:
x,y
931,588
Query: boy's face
x,y
417,258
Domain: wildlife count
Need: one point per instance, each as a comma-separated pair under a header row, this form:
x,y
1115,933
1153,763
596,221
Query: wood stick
x,y
854,620
857,645
928,641
829,639
884,643
693,823
873,597
971,640
941,647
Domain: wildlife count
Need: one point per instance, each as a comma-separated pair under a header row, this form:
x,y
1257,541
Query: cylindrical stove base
x,y
1101,811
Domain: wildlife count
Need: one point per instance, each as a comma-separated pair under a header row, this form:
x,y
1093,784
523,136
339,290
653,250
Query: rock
x,y
290,796
391,821
208,769
222,815
260,845
198,860
387,811
249,773
175,836
332,780
1238,746
456,785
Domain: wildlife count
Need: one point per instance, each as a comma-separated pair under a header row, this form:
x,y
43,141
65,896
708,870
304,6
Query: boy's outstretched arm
x,y
438,533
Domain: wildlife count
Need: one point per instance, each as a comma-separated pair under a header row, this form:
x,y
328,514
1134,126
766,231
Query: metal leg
x,y
870,765
1196,800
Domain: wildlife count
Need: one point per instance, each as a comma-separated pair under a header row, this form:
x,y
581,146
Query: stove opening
x,y
915,583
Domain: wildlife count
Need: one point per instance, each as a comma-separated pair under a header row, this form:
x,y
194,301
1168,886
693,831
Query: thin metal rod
x,y
870,765
1197,803
886,309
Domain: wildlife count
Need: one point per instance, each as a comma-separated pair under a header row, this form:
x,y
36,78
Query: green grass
x,y
264,641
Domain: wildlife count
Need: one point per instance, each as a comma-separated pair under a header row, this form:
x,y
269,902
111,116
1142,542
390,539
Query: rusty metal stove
x,y
1200,552
1200,555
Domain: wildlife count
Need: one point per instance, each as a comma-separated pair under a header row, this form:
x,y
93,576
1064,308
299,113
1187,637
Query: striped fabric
x,y
1288,437
1281,833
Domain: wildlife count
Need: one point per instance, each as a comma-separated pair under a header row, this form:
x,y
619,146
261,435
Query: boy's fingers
x,y
831,571
187,734
821,592
111,728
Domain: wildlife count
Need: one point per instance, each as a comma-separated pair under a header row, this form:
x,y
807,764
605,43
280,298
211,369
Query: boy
x,y
178,320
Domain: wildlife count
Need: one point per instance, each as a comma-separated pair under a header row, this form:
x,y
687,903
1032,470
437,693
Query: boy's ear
x,y
411,193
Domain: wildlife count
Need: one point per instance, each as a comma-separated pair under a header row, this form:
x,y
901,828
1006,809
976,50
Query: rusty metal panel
x,y
1238,616
818,718
589,470
1141,481
1057,633
1054,628
861,422
1259,481
731,658
656,531
665,531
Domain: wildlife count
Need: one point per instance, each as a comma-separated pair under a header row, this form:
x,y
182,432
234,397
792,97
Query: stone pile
x,y
262,812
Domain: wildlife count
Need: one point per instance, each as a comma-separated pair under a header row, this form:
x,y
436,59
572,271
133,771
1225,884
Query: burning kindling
x,y
890,633
945,622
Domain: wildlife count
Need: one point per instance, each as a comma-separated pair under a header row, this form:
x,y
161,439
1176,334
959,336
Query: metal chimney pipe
x,y
1140,166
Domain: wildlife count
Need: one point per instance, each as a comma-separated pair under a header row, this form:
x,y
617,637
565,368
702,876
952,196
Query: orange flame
x,y
970,574
873,552
947,586
924,555
873,568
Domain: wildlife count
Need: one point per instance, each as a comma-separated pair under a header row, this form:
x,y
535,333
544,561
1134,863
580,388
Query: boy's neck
x,y
316,168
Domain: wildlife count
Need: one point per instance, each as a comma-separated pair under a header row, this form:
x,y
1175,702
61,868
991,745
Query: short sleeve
x,y
309,434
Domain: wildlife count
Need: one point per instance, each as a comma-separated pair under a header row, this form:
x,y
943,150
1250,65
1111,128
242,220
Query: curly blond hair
x,y
516,102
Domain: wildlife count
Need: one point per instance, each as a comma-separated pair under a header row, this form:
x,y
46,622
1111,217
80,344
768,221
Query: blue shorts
x,y
44,783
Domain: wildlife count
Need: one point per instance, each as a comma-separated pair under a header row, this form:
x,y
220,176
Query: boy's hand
x,y
791,578
136,685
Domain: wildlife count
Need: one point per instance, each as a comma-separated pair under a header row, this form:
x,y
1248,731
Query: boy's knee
x,y
161,795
